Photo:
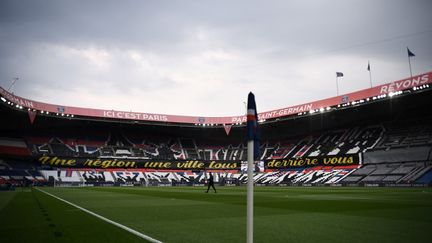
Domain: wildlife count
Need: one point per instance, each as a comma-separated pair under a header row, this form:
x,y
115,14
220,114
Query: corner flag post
x,y
252,126
250,147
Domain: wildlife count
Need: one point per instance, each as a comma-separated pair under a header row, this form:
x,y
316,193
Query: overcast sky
x,y
202,58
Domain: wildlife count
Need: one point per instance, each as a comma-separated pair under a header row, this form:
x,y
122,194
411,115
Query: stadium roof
x,y
388,90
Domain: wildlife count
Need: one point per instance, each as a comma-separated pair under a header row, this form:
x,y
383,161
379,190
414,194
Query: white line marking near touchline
x,y
146,237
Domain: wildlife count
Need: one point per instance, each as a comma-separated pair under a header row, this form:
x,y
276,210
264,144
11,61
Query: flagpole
x,y
12,84
370,74
409,62
370,78
337,86
250,155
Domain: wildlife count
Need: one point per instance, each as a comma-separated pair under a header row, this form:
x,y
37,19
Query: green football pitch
x,y
187,214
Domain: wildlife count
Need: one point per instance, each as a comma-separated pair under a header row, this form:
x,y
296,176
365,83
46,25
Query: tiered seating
x,y
190,148
384,169
404,168
406,134
280,150
394,151
387,173
427,177
14,147
346,141
417,173
116,142
391,178
210,153
351,179
19,172
365,170
67,147
373,179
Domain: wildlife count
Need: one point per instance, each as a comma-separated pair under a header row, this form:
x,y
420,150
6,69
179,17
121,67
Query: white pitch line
x,y
146,237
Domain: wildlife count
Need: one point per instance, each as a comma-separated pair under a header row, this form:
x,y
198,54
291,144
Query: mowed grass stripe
x,y
139,234
32,216
169,218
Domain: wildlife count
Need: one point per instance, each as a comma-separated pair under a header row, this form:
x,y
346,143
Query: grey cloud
x,y
276,42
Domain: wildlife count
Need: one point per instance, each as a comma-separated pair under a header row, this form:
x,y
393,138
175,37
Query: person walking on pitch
x,y
210,183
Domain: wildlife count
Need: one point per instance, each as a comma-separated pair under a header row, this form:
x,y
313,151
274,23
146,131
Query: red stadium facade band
x,y
384,89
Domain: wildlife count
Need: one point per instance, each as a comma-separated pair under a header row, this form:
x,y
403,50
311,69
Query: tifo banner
x,y
337,160
105,163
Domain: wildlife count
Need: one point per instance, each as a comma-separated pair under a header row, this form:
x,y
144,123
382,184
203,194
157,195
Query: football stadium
x,y
355,167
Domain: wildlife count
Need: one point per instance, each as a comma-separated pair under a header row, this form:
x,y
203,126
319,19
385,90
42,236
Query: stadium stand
x,y
392,136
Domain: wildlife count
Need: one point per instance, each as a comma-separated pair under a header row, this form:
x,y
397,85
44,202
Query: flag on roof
x,y
410,53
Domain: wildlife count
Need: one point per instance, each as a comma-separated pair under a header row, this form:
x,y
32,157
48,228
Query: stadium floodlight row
x,y
377,136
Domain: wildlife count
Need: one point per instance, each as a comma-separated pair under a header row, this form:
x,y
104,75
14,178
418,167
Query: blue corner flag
x,y
252,125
